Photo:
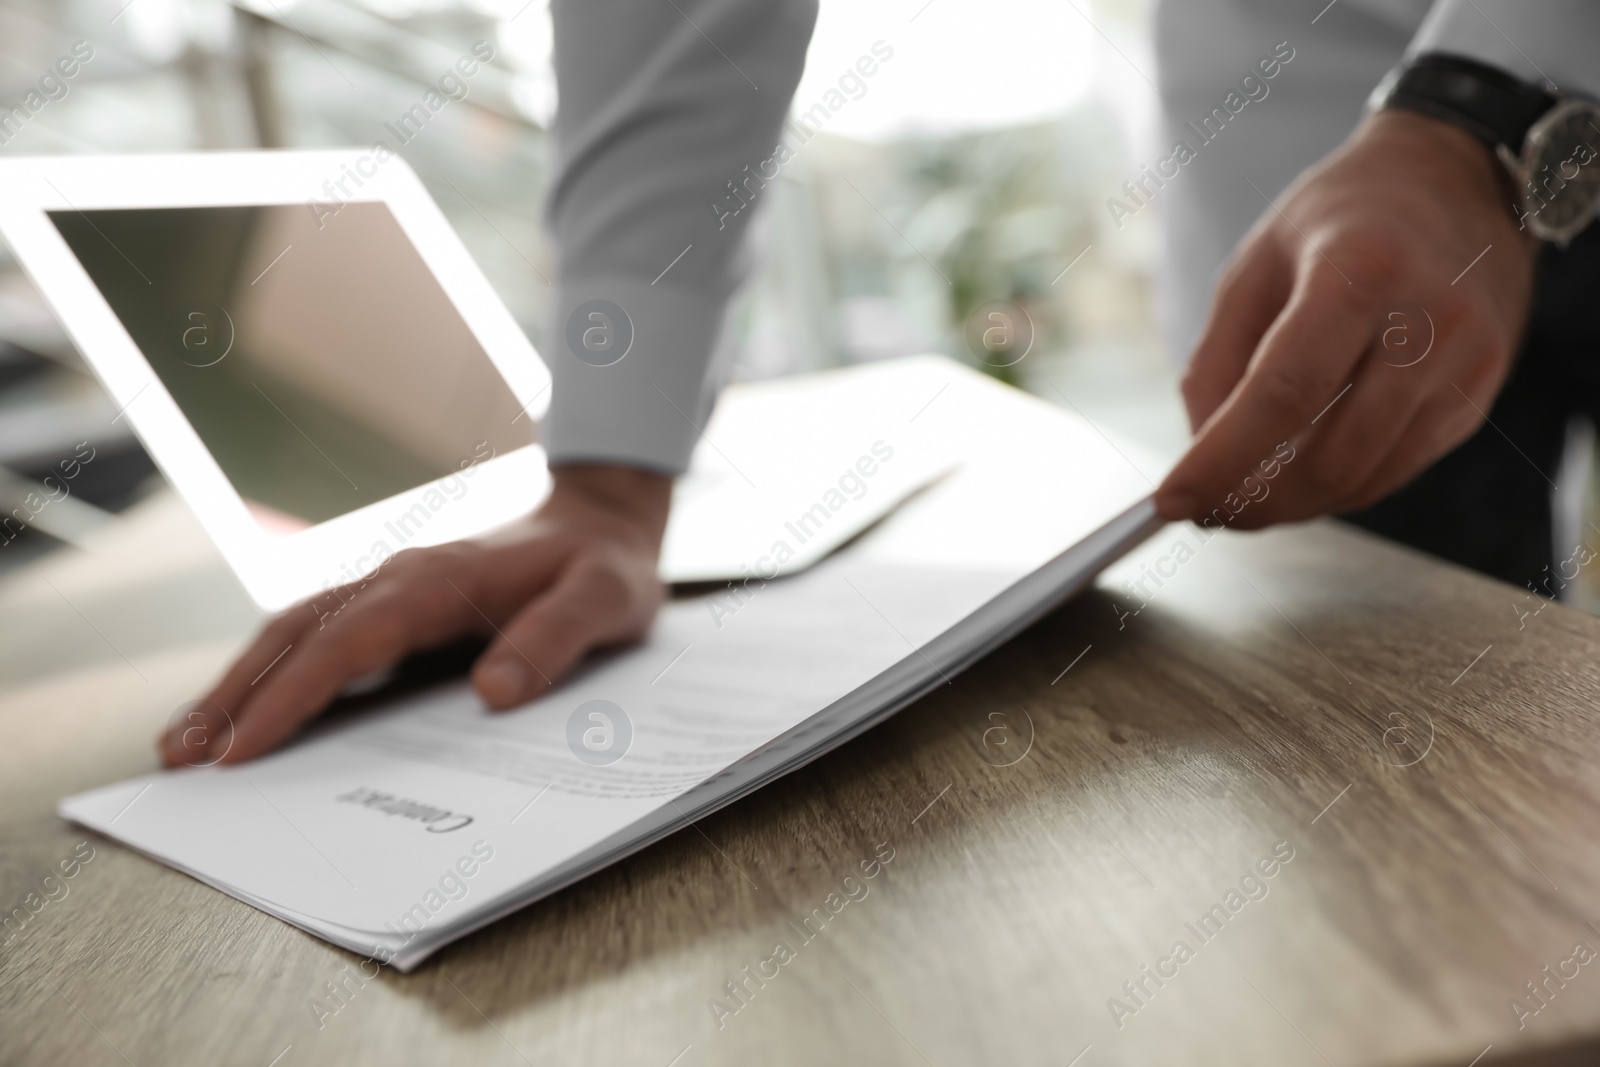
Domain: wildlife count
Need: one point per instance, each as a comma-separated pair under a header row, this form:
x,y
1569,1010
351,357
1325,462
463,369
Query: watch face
x,y
1561,171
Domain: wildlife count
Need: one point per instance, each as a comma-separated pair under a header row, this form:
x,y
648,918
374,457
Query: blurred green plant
x,y
996,222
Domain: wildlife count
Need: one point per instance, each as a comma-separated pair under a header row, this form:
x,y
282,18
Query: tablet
x,y
302,344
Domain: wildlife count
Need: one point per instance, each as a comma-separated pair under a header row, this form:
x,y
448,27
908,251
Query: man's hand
x,y
577,574
1410,220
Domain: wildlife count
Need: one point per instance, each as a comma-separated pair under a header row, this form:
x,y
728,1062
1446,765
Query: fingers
x,y
364,638
1350,440
585,562
1442,424
1396,441
1307,356
207,725
415,604
592,603
1249,297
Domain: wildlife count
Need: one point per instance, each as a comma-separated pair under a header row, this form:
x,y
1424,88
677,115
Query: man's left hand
x,y
1401,242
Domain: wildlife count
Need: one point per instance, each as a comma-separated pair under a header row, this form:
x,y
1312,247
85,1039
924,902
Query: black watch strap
x,y
1482,99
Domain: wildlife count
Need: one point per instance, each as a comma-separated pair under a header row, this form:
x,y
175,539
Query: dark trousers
x,y
1487,505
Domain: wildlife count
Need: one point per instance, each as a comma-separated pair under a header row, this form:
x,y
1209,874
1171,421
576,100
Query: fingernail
x,y
1176,506
503,683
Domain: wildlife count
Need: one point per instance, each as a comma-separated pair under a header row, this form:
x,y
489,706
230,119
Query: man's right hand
x,y
577,574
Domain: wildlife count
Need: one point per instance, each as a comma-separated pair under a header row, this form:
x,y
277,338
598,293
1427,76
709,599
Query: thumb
x,y
1251,294
590,604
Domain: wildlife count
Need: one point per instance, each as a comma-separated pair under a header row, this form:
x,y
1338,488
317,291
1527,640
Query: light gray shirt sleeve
x,y
1554,40
667,111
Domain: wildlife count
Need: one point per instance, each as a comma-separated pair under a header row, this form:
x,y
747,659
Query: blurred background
x,y
969,175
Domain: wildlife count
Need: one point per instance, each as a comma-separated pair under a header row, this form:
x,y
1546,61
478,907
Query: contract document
x,y
399,830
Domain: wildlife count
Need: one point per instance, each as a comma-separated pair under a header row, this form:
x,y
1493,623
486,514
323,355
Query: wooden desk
x,y
1246,706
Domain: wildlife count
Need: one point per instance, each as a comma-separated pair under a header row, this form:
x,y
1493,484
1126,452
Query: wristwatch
x,y
1549,141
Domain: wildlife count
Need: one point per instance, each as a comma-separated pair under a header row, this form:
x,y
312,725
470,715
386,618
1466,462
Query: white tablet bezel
x,y
276,570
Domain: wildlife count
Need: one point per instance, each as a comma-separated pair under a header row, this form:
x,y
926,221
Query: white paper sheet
x,y
365,832
805,463
277,828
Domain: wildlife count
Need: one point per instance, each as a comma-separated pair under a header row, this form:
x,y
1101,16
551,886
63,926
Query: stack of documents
x,y
879,528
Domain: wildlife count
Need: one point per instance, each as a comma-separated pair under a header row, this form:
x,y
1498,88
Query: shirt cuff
x,y
628,362
1552,41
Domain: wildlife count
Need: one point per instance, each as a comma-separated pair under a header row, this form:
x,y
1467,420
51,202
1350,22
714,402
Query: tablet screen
x,y
323,367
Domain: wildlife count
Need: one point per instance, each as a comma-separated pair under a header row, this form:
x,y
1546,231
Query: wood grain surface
x,y
1409,754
